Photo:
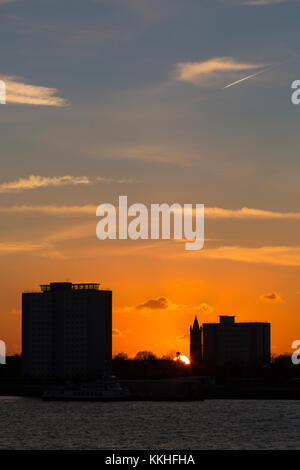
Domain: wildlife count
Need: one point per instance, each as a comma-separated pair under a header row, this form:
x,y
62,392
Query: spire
x,y
196,324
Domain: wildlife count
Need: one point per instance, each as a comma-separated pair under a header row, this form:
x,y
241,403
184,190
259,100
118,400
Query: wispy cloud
x,y
286,256
243,213
248,213
161,303
42,248
17,91
36,181
210,212
203,308
102,179
198,73
51,209
275,255
73,232
20,247
148,152
116,332
271,297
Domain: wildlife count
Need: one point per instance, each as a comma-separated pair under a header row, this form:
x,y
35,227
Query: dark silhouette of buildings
x,y
215,344
67,331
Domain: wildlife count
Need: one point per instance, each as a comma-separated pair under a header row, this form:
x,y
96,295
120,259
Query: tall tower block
x,y
67,331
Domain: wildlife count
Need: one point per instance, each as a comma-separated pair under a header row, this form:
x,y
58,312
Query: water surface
x,y
28,423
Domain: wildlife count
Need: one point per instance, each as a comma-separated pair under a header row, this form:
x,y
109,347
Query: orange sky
x,y
177,283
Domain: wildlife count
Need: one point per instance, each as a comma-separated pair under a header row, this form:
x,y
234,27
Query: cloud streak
x,y
199,72
51,209
36,181
43,249
161,303
271,297
274,255
20,247
248,213
164,304
210,212
203,308
19,92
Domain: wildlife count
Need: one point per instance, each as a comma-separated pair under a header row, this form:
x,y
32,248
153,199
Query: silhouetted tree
x,y
282,368
120,357
145,356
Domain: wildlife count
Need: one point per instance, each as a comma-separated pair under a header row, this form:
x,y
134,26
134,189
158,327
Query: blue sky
x,y
113,61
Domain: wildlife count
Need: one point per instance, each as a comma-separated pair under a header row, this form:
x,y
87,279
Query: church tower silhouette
x,y
196,343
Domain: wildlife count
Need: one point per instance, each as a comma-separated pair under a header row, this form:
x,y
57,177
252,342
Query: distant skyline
x,y
115,97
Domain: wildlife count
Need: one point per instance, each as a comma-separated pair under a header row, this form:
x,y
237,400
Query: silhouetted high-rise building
x,y
228,341
67,331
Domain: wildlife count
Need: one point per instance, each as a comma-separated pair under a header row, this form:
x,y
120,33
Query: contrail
x,y
260,72
246,78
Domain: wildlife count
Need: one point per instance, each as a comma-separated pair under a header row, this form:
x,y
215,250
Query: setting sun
x,y
182,358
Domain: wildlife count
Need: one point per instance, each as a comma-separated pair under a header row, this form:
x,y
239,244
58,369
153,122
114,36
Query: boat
x,y
104,390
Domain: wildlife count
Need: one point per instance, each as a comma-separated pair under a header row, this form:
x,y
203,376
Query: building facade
x,y
67,331
228,341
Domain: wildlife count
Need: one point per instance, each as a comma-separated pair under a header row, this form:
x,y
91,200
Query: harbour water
x,y
28,423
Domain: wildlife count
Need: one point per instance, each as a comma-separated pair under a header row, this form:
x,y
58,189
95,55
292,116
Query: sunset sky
x,y
127,97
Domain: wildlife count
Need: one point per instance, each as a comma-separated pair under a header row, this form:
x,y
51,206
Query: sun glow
x,y
184,359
